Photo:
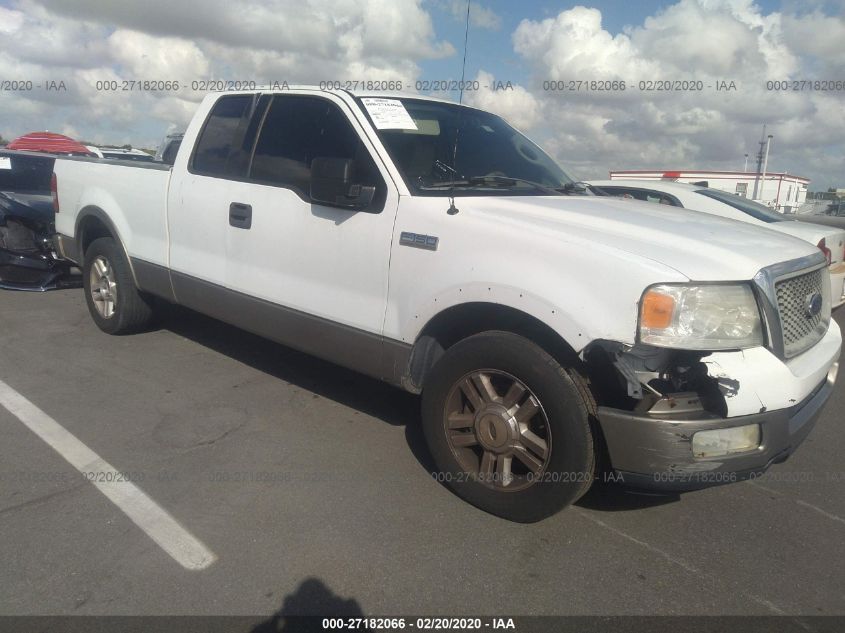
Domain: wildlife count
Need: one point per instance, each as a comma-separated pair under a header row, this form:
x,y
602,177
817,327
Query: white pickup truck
x,y
553,334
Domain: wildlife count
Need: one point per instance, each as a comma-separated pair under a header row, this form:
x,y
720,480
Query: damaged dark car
x,y
28,260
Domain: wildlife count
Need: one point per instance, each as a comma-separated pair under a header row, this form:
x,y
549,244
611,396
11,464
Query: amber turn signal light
x,y
657,309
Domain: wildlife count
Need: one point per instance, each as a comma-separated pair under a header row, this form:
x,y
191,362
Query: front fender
x,y
565,320
582,290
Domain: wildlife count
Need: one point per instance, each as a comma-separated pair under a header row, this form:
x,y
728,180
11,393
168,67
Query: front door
x,y
323,261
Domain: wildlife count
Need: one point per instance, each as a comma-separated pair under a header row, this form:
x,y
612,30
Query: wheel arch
x,y
92,223
463,320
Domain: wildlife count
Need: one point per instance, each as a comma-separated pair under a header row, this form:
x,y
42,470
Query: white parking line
x,y
830,516
162,528
625,535
771,606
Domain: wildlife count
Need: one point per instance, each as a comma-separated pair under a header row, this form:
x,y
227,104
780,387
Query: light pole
x,y
759,164
765,165
745,168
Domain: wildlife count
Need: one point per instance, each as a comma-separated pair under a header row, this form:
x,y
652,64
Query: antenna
x,y
464,65
452,208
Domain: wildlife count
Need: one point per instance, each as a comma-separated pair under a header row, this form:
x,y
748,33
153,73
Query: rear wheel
x,y
114,302
508,427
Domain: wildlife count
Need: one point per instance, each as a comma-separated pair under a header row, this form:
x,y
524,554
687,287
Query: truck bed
x,y
128,189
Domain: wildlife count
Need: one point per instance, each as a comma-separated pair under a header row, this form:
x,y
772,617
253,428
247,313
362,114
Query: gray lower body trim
x,y
370,354
153,278
66,247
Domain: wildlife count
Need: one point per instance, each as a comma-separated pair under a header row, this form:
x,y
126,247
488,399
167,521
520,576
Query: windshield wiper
x,y
447,169
489,181
579,189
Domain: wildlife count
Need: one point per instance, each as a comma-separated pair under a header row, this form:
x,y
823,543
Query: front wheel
x,y
508,427
115,304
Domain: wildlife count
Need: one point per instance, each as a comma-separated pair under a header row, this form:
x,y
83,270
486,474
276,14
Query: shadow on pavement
x,y
311,598
354,390
370,396
615,497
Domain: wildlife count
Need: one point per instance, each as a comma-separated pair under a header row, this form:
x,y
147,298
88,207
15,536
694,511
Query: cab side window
x,y
298,129
222,134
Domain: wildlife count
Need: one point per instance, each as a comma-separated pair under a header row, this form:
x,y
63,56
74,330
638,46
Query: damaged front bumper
x,y
656,452
654,449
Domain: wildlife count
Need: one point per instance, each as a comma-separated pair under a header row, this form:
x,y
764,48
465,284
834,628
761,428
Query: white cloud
x,y
479,15
10,20
84,42
145,56
818,36
485,18
517,105
38,36
574,45
400,27
713,40
706,40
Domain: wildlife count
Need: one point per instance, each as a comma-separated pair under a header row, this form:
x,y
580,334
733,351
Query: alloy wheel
x,y
103,287
497,430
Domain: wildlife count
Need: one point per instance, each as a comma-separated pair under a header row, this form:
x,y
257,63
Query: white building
x,y
780,191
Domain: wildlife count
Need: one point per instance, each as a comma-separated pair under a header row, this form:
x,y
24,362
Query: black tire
x,y
132,309
566,406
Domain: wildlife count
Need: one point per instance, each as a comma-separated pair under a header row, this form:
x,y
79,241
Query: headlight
x,y
705,317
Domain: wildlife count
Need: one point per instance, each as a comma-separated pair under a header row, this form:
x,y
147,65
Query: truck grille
x,y
801,330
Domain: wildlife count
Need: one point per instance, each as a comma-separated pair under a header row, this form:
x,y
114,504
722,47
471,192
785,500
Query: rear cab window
x,y
224,145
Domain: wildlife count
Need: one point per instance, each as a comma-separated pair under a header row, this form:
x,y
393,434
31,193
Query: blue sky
x,y
492,50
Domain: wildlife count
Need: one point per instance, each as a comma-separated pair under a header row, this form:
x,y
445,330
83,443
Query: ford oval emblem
x,y
813,305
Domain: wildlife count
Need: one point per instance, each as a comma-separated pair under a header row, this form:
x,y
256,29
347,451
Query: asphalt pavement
x,y
263,480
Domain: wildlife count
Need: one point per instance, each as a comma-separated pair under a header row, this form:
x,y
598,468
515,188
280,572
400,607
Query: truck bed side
x,y
131,197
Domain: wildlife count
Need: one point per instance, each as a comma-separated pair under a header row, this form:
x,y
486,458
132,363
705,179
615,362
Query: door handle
x,y
240,215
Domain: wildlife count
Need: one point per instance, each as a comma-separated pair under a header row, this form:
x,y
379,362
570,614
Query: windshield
x,y
492,158
749,207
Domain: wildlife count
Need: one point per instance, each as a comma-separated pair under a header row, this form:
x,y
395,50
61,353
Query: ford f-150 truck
x,y
552,334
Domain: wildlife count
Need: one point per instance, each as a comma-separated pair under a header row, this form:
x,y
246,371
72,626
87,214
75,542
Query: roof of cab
x,y
283,88
403,95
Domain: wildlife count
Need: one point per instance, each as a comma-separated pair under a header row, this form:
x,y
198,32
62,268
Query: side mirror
x,y
333,184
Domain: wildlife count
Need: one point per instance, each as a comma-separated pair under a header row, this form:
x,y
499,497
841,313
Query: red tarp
x,y
49,142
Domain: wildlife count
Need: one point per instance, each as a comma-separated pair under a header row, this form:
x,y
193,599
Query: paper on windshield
x,y
5,162
388,114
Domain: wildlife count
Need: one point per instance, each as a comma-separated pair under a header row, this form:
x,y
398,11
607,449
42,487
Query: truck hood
x,y
700,246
